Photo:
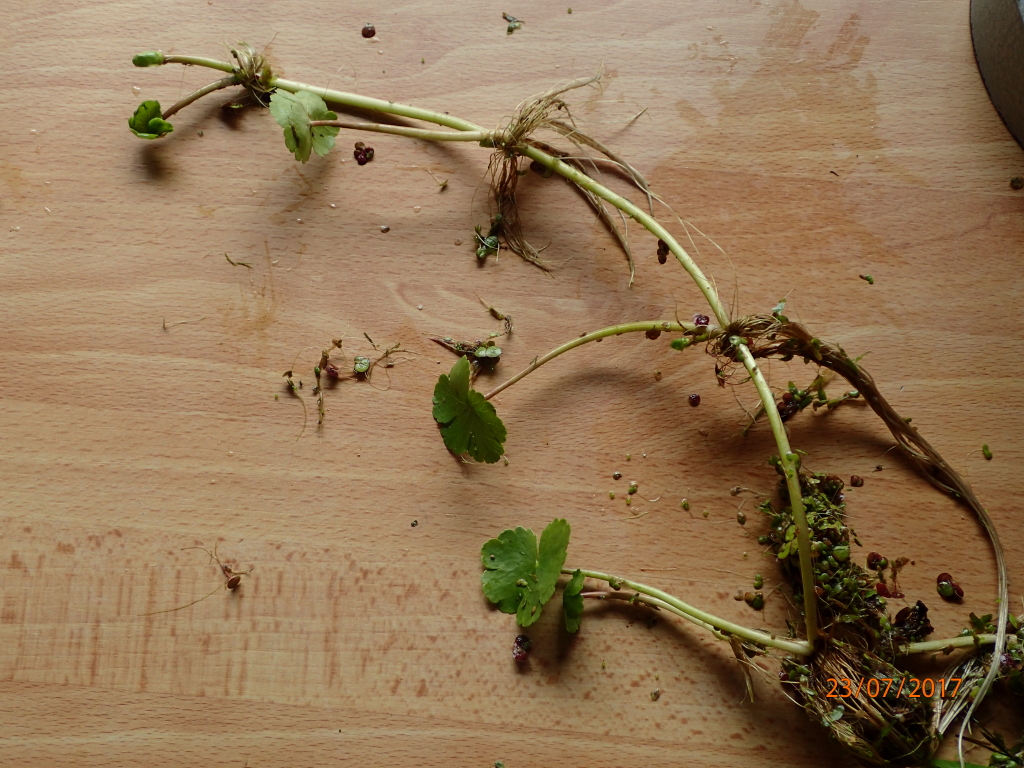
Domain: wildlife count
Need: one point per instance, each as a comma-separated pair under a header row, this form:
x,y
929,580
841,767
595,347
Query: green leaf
x,y
146,123
572,602
469,424
554,542
293,112
508,559
519,577
953,764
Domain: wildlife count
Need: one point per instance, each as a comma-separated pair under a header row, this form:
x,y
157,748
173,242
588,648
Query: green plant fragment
x,y
572,602
986,452
148,59
513,23
293,112
147,123
518,576
870,280
469,424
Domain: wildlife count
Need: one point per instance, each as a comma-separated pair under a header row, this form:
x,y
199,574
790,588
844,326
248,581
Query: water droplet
x,y
420,306
136,90
458,241
298,221
46,183
416,209
709,28
15,229
332,205
35,131
380,52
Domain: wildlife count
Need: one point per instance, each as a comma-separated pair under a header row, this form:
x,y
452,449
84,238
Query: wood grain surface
x,y
143,409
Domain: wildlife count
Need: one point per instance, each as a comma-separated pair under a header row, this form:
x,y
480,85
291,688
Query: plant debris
x,y
947,588
513,23
362,153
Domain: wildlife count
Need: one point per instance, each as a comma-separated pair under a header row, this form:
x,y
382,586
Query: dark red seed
x,y
701,319
856,481
332,371
787,397
943,577
653,334
876,562
521,648
234,581
786,410
662,257
882,590
369,30
694,400
958,591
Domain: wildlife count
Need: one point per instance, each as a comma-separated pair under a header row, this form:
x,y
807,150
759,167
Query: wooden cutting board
x,y
143,411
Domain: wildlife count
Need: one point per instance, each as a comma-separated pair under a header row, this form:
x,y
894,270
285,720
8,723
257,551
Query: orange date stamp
x,y
882,687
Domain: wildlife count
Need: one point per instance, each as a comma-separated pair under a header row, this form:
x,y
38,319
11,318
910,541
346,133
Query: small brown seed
x,y
856,481
369,30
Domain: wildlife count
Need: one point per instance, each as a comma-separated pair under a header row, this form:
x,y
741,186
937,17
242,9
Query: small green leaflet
x,y
572,602
519,577
834,716
293,111
469,424
146,123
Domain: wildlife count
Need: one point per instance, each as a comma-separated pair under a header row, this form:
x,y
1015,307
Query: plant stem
x,y
200,61
613,330
214,86
412,133
798,647
957,642
376,105
653,602
339,97
789,461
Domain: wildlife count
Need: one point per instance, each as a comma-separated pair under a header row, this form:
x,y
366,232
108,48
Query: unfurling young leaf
x,y
519,577
146,123
293,112
572,602
148,59
469,424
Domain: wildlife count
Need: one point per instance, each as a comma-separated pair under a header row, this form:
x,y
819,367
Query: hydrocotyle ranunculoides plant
x,y
469,424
